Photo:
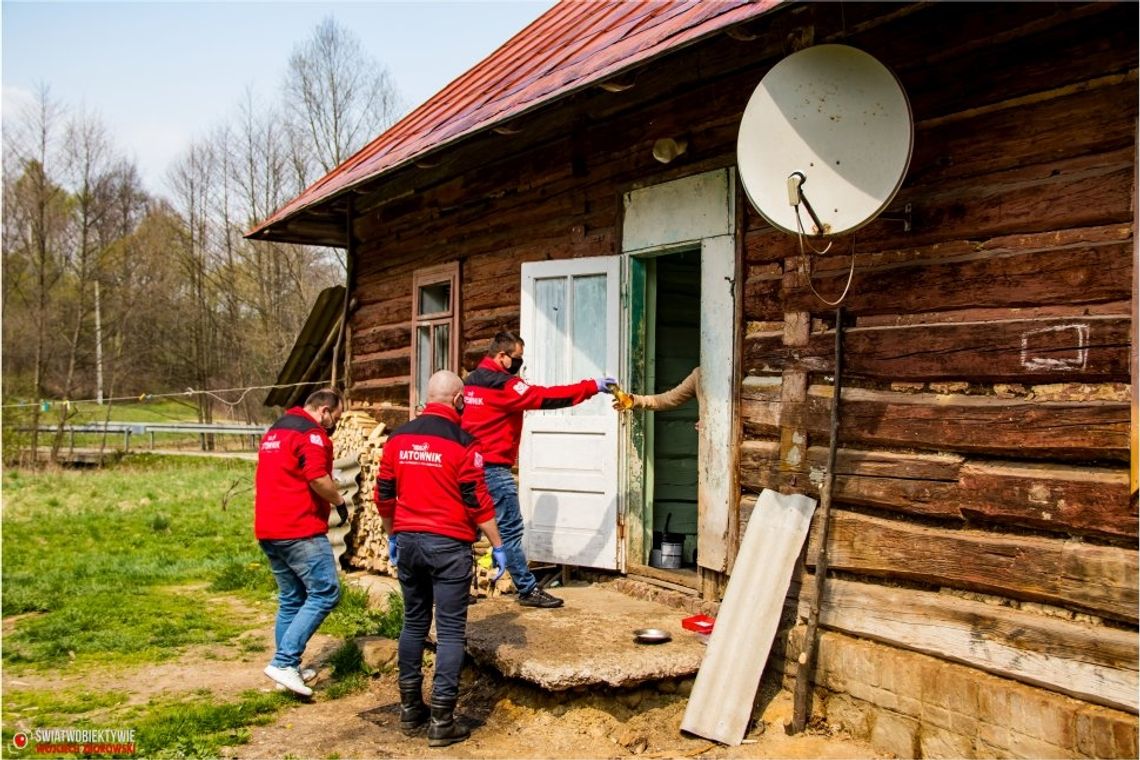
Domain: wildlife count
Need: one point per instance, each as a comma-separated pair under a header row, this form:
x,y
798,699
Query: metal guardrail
x,y
127,429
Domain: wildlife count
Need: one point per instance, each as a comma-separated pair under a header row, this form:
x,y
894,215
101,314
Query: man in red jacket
x,y
292,500
432,499
495,399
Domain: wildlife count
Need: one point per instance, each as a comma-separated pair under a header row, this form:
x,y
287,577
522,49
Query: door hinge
x,y
621,529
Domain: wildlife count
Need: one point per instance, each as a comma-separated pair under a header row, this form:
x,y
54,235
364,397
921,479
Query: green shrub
x,y
348,660
237,575
354,617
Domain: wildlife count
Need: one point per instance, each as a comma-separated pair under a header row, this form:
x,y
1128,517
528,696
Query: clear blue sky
x,y
162,74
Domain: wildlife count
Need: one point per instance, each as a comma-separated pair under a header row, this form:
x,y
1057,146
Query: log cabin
x,y
581,184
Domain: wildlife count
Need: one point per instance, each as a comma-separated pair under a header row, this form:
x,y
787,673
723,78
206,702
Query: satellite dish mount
x,y
824,144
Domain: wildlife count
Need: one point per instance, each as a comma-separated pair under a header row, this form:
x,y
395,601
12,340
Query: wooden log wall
x,y
984,421
981,509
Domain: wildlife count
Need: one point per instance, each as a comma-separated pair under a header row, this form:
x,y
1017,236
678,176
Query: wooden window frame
x,y
443,273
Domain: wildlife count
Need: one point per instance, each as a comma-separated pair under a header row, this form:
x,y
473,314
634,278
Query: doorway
x,y
680,309
673,324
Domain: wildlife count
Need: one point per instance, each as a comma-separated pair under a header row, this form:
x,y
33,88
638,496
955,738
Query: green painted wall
x,y
677,352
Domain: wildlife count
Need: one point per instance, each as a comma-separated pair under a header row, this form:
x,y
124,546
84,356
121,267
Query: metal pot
x,y
671,546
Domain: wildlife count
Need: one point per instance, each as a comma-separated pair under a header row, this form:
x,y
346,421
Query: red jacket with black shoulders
x,y
294,451
494,401
431,477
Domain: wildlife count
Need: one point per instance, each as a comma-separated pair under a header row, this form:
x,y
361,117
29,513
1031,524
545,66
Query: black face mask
x,y
459,410
330,430
516,365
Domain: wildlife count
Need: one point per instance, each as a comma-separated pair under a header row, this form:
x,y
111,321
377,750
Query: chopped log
x,y
1063,349
1067,573
1094,663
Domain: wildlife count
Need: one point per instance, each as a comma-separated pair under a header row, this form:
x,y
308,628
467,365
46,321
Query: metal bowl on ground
x,y
651,636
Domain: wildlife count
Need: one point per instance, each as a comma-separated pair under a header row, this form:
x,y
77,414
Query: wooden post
x,y
802,702
349,253
1134,470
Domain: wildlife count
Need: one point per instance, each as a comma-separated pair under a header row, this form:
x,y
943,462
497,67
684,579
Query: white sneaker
x,y
307,674
290,678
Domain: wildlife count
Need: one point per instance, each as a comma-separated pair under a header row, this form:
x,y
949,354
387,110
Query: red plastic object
x,y
699,623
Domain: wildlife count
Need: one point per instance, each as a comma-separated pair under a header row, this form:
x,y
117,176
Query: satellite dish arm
x,y
796,181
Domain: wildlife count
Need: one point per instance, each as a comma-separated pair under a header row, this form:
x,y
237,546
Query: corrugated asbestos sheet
x,y
311,357
573,45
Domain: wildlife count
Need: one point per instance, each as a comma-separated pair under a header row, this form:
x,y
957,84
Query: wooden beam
x,y
1093,663
1071,574
1081,431
1049,350
1070,500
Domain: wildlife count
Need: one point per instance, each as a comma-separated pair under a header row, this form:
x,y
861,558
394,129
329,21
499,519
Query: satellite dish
x,y
826,135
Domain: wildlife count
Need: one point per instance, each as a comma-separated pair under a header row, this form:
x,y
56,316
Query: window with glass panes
x,y
435,327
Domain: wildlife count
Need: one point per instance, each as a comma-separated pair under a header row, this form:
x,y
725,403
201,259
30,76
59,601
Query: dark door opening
x,y
674,340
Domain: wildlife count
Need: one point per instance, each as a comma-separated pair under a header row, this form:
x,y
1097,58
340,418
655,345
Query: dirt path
x,y
514,720
510,719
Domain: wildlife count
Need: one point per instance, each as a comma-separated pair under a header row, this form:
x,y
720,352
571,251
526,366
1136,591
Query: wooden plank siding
x,y
984,432
1086,661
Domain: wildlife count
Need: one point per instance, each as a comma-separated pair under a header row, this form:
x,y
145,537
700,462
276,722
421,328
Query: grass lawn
x,y
108,570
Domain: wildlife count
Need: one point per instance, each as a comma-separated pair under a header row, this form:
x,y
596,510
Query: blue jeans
x,y
508,516
305,571
434,569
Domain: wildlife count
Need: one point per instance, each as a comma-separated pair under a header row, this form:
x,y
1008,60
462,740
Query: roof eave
x,y
284,230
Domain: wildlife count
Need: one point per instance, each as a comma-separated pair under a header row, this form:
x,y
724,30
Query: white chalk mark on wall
x,y
1040,351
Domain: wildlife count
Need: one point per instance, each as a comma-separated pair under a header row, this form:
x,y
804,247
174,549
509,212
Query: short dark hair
x,y
504,341
323,397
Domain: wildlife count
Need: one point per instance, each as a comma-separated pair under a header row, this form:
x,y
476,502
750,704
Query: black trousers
x,y
434,569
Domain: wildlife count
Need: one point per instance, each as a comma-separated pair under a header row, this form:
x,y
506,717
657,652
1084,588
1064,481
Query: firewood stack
x,y
361,437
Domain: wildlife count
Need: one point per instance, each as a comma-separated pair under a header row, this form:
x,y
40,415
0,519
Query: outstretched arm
x,y
672,398
521,396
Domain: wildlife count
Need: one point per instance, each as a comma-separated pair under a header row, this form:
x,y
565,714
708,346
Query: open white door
x,y
568,457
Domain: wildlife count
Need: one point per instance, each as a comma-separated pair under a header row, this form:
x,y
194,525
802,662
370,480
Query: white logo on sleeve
x,y
478,459
314,438
521,388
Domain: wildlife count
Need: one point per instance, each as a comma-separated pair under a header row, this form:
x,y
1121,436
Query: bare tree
x,y
337,98
36,212
192,180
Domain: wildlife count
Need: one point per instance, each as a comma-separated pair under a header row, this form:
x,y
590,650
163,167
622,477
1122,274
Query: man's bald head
x,y
443,387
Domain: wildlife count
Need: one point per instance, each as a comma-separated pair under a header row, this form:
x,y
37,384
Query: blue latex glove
x,y
499,562
605,384
393,550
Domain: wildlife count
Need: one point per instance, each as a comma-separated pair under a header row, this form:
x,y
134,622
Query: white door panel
x,y
568,457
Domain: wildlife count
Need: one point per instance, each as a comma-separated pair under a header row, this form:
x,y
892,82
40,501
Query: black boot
x,y
444,729
413,711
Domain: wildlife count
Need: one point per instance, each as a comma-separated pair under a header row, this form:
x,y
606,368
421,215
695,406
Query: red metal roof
x,y
575,44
